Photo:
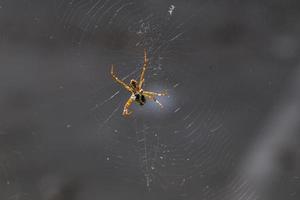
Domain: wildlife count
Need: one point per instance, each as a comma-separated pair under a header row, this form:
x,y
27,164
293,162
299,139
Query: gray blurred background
x,y
230,126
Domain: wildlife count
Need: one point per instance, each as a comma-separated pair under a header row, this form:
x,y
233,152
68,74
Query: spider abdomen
x,y
141,99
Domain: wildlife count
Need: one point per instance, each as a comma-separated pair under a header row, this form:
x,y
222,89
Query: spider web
x,y
168,155
224,65
183,145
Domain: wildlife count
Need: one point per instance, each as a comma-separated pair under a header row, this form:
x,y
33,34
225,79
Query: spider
x,y
135,88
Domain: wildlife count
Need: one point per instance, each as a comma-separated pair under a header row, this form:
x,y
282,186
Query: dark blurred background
x,y
230,126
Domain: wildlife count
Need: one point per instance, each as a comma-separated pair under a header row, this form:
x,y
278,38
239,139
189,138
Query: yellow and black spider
x,y
137,93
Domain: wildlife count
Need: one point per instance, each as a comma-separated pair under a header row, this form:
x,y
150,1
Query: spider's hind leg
x,y
152,96
126,111
156,101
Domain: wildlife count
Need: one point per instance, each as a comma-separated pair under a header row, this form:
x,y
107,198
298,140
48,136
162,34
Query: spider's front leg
x,y
126,111
118,80
142,77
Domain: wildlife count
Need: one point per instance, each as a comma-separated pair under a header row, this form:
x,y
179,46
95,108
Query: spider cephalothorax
x,y
137,93
133,84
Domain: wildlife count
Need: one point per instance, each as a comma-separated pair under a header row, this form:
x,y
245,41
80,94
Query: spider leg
x,y
156,101
148,93
142,77
126,112
152,95
118,80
